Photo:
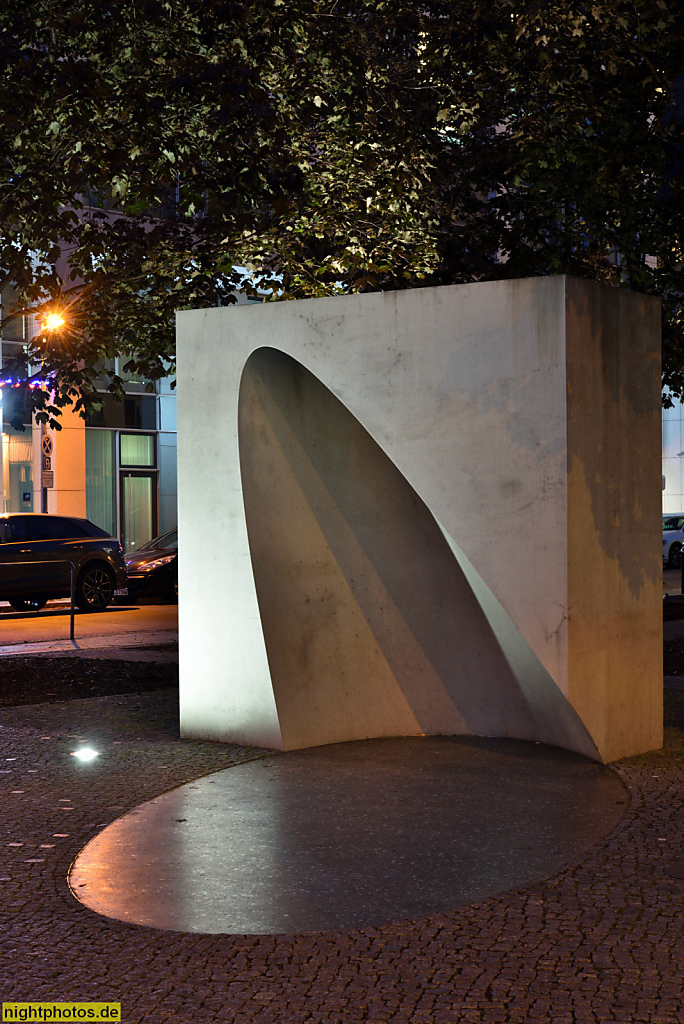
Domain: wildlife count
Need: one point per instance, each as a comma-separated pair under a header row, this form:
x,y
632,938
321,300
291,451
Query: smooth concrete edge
x,y
136,845
310,322
557,723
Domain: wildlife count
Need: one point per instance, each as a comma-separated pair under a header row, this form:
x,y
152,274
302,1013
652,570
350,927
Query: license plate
x,y
121,593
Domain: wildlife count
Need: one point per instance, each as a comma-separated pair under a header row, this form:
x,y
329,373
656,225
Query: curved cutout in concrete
x,y
525,415
348,836
371,625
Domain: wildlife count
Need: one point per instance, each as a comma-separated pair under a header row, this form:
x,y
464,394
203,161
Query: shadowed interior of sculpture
x,y
370,624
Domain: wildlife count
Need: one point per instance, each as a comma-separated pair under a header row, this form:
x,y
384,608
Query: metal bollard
x,y
72,588
73,596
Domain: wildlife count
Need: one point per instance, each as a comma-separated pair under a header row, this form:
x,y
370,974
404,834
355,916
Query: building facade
x,y
673,459
118,468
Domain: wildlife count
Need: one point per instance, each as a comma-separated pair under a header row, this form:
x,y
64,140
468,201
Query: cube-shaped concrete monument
x,y
423,512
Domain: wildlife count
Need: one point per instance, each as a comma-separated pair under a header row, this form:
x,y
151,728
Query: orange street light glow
x,y
53,321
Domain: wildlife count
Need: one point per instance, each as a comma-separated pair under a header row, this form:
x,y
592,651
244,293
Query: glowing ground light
x,y
84,754
53,321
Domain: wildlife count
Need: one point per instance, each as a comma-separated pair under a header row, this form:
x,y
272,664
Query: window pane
x,y
137,450
100,482
137,511
14,529
167,540
134,412
90,530
38,529
17,458
167,481
167,412
52,528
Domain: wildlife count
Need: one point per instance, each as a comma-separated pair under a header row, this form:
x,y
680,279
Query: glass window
x,y
137,450
90,530
14,404
138,513
167,482
13,529
167,540
52,528
167,412
100,480
140,412
17,471
126,374
165,384
133,412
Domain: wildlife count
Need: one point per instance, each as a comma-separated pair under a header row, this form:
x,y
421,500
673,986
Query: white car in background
x,y
673,539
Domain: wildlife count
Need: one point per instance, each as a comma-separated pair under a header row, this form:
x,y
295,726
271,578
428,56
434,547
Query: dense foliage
x,y
148,149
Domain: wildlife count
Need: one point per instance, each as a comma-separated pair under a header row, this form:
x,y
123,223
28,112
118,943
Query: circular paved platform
x,y
349,835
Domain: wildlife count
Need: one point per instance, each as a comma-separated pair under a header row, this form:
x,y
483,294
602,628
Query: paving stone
x,y
598,943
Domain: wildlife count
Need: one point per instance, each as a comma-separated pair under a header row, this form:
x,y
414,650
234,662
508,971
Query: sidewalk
x,y
110,645
130,633
599,941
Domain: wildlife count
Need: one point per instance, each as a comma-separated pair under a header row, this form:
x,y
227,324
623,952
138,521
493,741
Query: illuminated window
x,y
137,450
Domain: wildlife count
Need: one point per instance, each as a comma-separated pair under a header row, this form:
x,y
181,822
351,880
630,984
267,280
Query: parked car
x,y
36,550
153,568
673,540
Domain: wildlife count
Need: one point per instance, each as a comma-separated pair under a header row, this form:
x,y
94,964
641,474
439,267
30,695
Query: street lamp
x,y
50,322
53,322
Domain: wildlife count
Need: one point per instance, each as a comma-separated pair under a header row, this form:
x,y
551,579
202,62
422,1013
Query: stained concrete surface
x,y
523,415
349,835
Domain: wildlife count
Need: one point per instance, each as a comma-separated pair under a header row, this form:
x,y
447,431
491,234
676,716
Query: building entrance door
x,y
138,508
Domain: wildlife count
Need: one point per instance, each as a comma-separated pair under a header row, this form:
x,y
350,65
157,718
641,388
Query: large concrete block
x,y
423,512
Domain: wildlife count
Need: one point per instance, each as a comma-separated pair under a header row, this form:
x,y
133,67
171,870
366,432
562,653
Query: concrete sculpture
x,y
423,512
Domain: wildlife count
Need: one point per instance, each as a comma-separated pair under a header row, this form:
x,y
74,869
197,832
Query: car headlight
x,y
156,563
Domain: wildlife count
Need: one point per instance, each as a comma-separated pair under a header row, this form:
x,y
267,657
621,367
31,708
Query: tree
x,y
150,148
583,169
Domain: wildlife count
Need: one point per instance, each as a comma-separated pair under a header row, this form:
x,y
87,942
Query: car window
x,y
13,530
167,540
53,528
673,523
90,529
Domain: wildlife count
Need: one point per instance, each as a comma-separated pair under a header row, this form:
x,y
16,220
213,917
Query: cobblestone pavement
x,y
601,941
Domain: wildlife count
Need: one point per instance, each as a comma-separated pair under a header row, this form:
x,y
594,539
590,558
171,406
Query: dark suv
x,y
35,552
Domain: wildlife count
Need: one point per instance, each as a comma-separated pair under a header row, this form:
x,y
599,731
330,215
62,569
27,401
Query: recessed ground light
x,y
84,754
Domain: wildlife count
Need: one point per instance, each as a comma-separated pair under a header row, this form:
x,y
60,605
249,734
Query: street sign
x,y
46,444
47,479
47,463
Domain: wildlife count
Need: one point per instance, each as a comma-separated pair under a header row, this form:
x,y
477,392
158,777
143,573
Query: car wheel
x,y
674,560
95,588
28,604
